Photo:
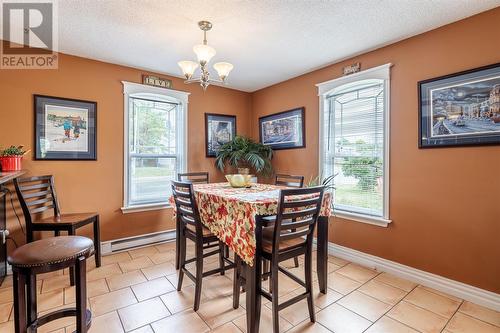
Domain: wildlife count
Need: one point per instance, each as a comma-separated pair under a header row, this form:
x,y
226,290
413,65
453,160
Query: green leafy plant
x,y
243,152
13,151
327,182
365,169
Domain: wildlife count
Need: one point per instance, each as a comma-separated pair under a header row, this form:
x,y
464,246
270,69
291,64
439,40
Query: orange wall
x,y
98,185
444,202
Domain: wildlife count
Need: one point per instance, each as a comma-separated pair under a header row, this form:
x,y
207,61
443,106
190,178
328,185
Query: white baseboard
x,y
467,292
127,243
123,244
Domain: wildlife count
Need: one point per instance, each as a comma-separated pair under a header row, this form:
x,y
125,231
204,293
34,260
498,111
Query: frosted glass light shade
x,y
188,68
204,52
223,69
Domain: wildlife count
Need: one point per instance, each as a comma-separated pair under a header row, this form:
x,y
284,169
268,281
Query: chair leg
x,y
199,275
274,294
268,269
81,295
177,243
20,320
97,242
295,259
309,285
221,257
71,232
265,267
31,298
57,233
236,282
182,257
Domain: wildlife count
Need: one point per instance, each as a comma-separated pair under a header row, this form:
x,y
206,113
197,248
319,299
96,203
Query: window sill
x,y
373,220
145,208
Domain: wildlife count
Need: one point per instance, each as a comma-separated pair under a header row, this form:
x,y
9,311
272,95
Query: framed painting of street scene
x,y
65,129
219,129
460,109
283,130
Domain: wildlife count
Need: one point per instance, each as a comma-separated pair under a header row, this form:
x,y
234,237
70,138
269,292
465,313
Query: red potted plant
x,y
10,158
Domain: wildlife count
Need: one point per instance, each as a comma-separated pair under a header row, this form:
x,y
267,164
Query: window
x,y
355,143
155,144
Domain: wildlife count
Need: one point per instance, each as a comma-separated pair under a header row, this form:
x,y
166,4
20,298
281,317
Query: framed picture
x,y
460,109
65,129
283,130
219,129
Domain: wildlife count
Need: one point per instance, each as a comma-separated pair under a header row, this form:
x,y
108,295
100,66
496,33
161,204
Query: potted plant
x,y
10,158
327,182
244,154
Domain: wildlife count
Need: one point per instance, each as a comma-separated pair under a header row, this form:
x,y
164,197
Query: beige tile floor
x,y
135,291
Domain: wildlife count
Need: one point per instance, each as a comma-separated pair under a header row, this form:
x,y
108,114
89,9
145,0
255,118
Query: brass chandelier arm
x,y
198,80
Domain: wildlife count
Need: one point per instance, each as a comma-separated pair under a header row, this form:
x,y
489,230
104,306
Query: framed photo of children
x,y
219,129
65,129
460,109
283,130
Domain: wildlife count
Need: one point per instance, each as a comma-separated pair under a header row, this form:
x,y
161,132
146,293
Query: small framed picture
x,y
219,129
65,129
284,130
460,109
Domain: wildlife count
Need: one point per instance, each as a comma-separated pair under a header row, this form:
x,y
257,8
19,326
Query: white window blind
x,y
355,144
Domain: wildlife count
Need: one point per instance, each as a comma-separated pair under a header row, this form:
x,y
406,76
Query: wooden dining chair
x,y
37,195
289,180
290,235
191,228
193,177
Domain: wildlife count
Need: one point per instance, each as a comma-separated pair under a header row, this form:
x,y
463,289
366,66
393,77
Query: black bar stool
x,y
48,255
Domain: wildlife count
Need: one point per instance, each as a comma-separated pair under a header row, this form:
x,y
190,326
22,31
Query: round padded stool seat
x,y
51,251
48,255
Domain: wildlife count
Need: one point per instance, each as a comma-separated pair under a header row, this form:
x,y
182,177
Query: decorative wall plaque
x,y
354,68
152,80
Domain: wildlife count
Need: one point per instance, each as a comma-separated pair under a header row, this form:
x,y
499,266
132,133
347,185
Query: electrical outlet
x,y
3,235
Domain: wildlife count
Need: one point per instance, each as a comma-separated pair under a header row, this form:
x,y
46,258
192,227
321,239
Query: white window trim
x,y
324,88
181,97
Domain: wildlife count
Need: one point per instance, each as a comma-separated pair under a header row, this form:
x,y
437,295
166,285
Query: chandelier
x,y
204,53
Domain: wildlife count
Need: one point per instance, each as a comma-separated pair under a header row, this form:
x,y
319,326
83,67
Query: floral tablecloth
x,y
230,212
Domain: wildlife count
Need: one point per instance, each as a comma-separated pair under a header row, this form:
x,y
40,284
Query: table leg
x,y
253,297
322,253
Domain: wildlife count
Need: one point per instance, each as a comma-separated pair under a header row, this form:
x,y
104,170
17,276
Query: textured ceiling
x,y
268,41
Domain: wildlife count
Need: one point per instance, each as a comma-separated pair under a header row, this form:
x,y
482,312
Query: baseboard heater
x,y
123,244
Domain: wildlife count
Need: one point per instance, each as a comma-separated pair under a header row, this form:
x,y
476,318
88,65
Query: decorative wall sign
x,y
460,109
219,129
284,130
354,68
155,81
65,129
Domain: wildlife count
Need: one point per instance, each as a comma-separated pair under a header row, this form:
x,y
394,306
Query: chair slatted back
x,y
289,180
36,195
187,209
193,177
298,211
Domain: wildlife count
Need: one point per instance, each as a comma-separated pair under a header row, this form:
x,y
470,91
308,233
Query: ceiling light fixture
x,y
204,53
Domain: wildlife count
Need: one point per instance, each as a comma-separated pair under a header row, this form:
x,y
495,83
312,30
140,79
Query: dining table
x,y
236,216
